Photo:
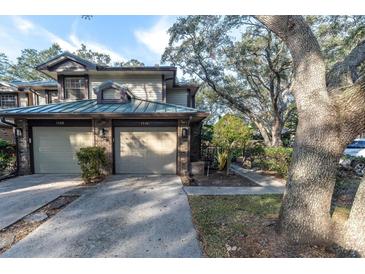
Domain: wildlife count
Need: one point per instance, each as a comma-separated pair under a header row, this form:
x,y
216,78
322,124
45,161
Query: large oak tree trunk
x,y
329,118
305,214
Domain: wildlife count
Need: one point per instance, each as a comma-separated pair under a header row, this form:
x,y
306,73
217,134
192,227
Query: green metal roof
x,y
43,83
90,107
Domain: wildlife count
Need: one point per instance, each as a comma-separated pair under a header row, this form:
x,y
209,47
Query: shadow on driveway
x,y
147,216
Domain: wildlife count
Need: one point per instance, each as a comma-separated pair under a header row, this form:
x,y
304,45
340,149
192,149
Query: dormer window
x,y
111,92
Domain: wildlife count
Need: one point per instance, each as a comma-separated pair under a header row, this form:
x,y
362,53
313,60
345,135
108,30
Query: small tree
x,y
230,133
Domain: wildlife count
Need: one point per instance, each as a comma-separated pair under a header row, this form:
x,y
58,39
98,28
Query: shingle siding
x,y
177,97
148,87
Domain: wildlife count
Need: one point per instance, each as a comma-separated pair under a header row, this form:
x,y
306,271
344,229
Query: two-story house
x,y
24,93
146,121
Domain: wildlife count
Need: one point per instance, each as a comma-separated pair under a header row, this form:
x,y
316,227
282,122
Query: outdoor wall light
x,y
19,132
103,132
185,133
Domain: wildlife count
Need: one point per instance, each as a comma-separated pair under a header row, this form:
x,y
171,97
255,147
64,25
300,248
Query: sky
x,y
122,37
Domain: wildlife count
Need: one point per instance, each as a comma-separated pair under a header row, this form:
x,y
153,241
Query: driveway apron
x,y
24,194
126,216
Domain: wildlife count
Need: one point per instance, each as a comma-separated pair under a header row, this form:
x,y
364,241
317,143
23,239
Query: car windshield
x,y
357,144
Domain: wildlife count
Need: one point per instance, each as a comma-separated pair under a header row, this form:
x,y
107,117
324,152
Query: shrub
x,y
93,162
275,159
7,156
254,150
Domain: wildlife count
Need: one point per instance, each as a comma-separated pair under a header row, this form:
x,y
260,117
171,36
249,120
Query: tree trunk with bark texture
x,y
354,236
329,118
263,132
276,129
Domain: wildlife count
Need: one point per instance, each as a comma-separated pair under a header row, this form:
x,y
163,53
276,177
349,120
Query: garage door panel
x,y
145,150
55,148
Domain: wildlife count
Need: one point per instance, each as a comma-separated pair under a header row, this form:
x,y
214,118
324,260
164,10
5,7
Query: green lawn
x,y
247,223
222,220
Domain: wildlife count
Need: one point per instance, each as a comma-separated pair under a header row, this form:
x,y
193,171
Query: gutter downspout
x,y
3,120
16,172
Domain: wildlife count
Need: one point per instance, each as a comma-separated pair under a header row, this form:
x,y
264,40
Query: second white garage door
x,y
145,150
55,148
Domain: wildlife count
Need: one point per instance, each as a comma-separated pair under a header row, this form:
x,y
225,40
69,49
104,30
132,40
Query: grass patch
x,y
245,227
221,220
343,196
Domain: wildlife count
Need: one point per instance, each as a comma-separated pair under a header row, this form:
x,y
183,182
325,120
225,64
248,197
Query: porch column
x,y
103,137
183,151
23,148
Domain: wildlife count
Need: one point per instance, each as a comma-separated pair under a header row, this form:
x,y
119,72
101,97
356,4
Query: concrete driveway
x,y
22,195
145,216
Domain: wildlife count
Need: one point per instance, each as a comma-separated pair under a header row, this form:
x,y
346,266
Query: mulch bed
x,y
20,229
219,178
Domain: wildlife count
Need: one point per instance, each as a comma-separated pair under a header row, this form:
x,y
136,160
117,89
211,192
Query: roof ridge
x,y
168,104
71,56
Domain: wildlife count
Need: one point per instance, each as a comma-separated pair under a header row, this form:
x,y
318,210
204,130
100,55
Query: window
x,y
75,88
8,101
112,94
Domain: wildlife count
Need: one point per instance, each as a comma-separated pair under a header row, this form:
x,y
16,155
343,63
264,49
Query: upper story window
x,y
8,101
75,88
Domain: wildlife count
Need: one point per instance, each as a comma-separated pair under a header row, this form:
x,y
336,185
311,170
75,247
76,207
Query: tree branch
x,y
350,102
344,73
309,66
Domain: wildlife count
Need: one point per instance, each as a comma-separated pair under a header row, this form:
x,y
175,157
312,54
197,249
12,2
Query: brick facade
x,y
195,141
23,148
6,133
104,141
183,148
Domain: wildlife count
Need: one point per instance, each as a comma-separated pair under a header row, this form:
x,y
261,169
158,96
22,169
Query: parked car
x,y
355,154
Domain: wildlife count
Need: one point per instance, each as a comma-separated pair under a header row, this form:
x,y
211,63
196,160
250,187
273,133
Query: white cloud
x,y
22,24
155,38
73,42
25,26
116,57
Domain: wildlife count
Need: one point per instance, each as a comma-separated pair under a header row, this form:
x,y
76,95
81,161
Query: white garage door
x,y
147,150
55,148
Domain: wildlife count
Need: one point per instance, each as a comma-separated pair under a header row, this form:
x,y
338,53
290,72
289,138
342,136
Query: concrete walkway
x,y
267,185
147,216
22,195
262,180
